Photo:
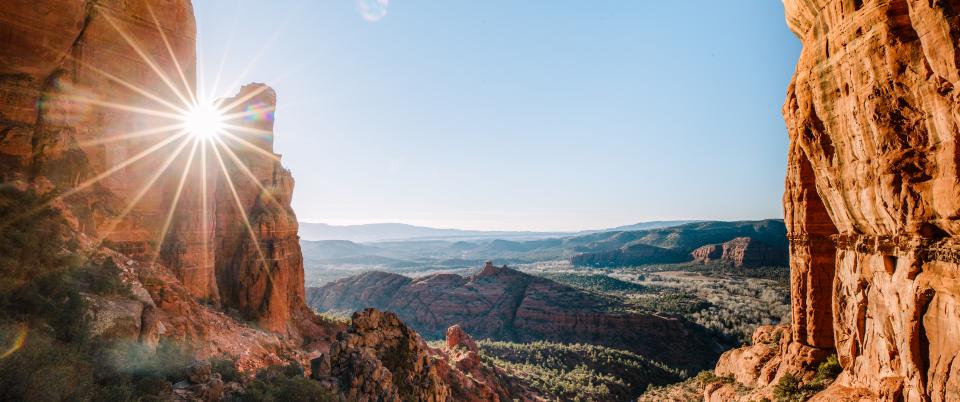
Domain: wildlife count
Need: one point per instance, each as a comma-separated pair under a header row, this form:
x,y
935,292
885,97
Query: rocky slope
x,y
379,358
502,303
872,200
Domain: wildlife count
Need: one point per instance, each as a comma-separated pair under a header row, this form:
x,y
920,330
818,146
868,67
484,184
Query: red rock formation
x,y
773,354
458,338
73,75
741,252
503,303
469,378
708,253
380,359
873,109
872,199
62,63
263,279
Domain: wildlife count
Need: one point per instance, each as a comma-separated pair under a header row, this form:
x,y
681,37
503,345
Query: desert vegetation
x,y
283,383
46,351
690,389
578,372
789,388
729,301
43,325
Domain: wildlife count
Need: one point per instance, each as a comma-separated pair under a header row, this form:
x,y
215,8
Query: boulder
x,y
199,371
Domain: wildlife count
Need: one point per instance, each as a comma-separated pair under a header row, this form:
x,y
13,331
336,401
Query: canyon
x,y
208,255
505,304
748,244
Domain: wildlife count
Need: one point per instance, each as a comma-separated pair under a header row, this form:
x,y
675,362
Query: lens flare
x,y
204,121
258,112
373,10
18,340
187,119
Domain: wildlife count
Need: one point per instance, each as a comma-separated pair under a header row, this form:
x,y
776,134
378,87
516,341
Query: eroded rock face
x,y
380,359
75,79
741,252
65,67
873,110
873,198
263,279
773,354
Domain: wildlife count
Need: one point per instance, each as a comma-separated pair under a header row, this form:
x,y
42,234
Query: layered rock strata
x,y
872,199
741,252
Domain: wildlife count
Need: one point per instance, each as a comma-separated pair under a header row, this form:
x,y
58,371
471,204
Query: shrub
x,y
227,369
116,392
829,369
102,279
791,389
284,383
787,389
578,371
43,369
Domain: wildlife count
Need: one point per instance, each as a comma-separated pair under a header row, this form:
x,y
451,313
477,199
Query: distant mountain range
x,y
741,244
377,232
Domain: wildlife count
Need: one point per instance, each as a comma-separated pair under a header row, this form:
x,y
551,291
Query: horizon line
x,y
467,228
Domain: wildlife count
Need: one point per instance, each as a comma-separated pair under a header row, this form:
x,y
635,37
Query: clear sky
x,y
533,115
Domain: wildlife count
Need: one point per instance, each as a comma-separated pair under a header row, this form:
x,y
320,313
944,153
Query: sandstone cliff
x,y
503,303
204,242
742,252
872,196
86,87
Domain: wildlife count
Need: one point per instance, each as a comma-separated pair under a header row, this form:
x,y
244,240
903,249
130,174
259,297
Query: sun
x,y
204,121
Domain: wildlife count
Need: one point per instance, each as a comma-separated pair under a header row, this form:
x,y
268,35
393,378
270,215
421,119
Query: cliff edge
x,y
872,202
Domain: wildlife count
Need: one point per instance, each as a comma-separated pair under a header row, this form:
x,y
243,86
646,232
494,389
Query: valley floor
x,y
728,303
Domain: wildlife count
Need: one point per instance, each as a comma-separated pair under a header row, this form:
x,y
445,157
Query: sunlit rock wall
x,y
263,279
872,116
61,64
85,86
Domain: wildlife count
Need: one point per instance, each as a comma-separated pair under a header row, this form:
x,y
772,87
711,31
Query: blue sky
x,y
532,115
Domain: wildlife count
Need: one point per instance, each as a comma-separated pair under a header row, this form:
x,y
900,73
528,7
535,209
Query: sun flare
x,y
204,121
186,123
